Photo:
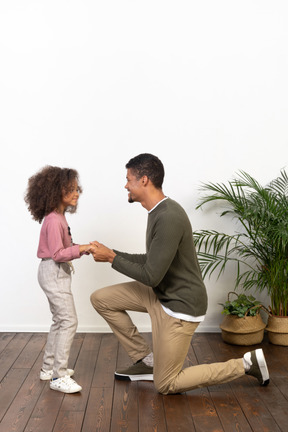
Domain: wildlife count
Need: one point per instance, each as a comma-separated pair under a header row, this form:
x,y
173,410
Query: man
x,y
168,285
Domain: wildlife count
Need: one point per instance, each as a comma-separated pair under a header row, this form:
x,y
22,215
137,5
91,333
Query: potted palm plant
x,y
242,323
259,249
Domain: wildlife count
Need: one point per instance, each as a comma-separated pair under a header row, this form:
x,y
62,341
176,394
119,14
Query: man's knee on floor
x,y
162,387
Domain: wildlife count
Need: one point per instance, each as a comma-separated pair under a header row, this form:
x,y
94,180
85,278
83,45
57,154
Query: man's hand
x,y
101,253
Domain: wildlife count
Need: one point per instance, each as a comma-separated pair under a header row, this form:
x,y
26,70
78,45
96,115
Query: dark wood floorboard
x,y
105,405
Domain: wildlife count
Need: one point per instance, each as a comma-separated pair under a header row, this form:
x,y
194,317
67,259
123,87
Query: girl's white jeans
x,y
55,280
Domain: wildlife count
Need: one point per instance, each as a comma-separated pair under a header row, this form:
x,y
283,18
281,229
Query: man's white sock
x,y
247,361
149,360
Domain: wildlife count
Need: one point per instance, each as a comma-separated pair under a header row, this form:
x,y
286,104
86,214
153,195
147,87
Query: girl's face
x,y
70,199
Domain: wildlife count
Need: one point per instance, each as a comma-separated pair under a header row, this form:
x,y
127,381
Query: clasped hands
x,y
101,253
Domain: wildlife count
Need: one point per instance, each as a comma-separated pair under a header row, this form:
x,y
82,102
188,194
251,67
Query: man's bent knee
x,y
94,299
97,300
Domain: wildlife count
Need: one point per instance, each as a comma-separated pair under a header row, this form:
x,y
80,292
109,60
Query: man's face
x,y
133,186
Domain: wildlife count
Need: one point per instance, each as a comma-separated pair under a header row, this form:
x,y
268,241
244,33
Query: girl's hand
x,y
85,249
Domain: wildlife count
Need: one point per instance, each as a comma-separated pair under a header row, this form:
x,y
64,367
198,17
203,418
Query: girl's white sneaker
x,y
65,384
46,375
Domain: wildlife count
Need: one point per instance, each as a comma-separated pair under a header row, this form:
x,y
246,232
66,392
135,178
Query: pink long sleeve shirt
x,y
55,240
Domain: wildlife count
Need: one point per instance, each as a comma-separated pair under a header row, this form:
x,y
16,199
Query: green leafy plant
x,y
260,248
241,306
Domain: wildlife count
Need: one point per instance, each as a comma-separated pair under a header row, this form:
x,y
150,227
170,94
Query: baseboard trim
x,y
94,329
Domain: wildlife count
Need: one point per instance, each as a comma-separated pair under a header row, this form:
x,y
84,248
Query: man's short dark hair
x,y
146,164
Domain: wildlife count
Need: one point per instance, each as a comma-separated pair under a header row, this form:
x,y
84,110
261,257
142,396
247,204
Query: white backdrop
x,y
89,84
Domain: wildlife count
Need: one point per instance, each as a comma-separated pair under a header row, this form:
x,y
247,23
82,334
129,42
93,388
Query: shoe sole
x,y
66,391
263,366
45,379
145,377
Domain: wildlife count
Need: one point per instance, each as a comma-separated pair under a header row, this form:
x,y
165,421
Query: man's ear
x,y
145,180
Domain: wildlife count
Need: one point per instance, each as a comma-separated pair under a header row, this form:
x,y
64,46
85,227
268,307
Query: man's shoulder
x,y
170,205
171,211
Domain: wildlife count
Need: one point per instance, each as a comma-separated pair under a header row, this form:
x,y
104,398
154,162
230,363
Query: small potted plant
x,y
242,324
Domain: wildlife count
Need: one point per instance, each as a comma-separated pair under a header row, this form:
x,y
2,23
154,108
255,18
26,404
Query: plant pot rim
x,y
278,316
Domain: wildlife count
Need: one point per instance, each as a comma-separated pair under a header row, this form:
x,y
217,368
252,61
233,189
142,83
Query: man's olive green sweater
x,y
170,265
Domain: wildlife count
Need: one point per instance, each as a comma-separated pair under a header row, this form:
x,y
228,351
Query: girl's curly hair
x,y
46,189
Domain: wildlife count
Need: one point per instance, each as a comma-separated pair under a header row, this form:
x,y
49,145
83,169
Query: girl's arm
x,y
59,243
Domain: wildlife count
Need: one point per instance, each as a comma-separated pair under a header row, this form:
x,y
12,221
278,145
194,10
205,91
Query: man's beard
x,y
130,199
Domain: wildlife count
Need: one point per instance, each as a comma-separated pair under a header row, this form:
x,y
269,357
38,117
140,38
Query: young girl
x,y
51,193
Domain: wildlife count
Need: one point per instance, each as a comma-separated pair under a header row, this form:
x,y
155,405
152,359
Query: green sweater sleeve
x,y
162,243
136,258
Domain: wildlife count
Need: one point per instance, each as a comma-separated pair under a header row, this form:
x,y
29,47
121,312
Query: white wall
x,y
89,84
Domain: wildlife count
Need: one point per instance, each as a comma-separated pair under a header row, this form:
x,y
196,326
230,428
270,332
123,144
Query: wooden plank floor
x,y
28,405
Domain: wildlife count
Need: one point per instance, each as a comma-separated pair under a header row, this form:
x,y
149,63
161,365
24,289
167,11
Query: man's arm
x,y
160,254
162,249
137,258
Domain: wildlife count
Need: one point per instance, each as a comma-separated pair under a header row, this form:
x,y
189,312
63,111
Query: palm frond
x,y
261,248
280,185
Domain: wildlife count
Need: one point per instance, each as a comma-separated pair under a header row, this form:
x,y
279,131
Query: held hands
x,y
85,249
101,253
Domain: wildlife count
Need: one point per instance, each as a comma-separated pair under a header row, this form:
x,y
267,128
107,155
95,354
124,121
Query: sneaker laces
x,y
67,380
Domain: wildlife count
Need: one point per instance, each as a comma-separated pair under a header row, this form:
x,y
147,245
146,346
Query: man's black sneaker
x,y
137,372
258,368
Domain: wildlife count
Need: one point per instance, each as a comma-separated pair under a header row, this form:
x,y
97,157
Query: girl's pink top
x,y
55,239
